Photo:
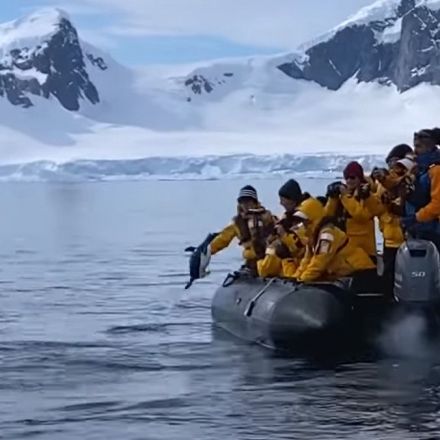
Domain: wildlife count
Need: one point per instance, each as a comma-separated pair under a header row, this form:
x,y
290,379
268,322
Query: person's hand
x,y
282,251
343,190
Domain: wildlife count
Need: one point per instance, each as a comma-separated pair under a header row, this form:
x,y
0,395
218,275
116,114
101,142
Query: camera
x,y
334,190
364,191
379,174
286,223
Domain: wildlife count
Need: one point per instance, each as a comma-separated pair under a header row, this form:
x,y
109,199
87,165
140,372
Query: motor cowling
x,y
417,273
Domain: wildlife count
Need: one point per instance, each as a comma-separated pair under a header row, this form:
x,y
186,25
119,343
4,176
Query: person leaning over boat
x,y
285,248
252,226
391,190
422,208
330,254
353,207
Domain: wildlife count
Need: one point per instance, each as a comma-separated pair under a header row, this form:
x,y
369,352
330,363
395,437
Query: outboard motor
x,y
417,274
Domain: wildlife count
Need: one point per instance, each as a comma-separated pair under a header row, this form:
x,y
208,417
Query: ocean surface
x,y
98,339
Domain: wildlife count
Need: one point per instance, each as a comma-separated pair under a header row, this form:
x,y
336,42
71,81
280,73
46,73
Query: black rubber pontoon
x,y
281,314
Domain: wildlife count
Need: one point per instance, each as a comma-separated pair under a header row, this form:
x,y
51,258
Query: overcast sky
x,y
140,32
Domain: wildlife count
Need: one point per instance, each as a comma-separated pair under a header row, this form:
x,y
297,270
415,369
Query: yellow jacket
x,y
389,221
233,230
359,219
432,210
331,256
275,265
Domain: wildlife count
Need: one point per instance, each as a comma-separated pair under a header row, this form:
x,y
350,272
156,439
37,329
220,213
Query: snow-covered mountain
x,y
40,55
358,89
391,42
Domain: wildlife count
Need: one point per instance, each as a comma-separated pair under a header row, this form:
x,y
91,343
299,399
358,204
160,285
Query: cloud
x,y
283,24
78,9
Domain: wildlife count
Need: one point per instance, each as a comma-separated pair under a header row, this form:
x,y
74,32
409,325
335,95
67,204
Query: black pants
x,y
389,267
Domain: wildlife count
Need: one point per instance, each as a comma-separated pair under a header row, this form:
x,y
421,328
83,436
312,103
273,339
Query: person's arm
x,y
356,208
326,251
293,243
374,205
331,207
303,263
432,210
223,239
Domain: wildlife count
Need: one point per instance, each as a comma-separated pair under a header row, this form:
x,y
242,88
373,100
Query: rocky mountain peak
x,y
390,42
41,55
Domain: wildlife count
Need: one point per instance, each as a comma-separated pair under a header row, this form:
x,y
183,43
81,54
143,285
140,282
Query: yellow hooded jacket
x,y
234,230
359,214
330,254
273,265
389,221
391,191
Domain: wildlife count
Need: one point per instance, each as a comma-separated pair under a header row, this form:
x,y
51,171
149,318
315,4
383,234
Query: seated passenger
x,y
285,248
387,178
422,208
353,207
391,189
329,252
252,226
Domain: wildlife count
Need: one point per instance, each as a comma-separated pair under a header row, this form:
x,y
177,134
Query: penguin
x,y
199,260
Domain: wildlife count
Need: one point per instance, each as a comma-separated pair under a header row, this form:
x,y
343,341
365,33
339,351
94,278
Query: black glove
x,y
286,223
334,190
282,251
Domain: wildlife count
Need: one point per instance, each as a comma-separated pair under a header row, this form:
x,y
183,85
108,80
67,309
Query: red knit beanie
x,y
354,169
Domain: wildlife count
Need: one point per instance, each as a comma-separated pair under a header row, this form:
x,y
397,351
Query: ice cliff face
x,y
183,168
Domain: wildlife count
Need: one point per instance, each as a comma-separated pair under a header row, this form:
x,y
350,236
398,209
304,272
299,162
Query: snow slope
x,y
359,119
228,107
30,31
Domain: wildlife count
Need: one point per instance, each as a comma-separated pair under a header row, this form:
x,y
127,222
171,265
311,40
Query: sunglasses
x,y
351,178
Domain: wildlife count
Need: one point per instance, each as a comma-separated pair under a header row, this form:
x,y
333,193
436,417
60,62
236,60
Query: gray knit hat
x,y
248,192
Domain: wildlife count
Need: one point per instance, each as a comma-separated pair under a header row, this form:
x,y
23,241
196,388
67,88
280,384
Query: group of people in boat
x,y
329,237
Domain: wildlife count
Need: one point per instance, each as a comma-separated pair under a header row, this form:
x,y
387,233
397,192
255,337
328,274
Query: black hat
x,y
291,190
248,192
399,152
432,135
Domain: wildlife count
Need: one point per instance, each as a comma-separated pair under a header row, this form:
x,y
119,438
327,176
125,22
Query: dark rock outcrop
x,y
60,61
97,61
360,51
199,84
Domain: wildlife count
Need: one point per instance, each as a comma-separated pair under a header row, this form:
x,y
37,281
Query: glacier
x,y
239,166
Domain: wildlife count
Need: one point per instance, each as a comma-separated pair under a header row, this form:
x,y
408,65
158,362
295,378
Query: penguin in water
x,y
199,260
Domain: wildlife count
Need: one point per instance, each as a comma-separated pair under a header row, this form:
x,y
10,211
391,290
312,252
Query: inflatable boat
x,y
282,314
